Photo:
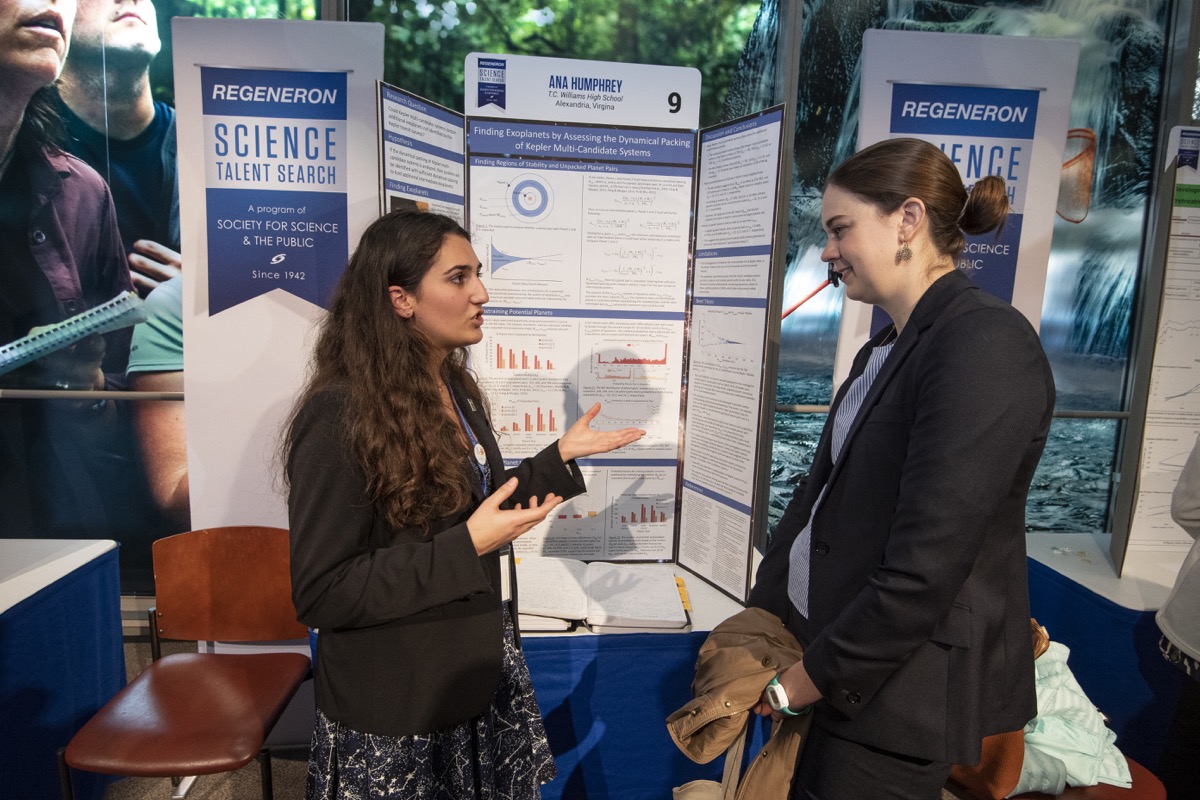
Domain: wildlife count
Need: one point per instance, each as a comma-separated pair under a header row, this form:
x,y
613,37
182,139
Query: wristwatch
x,y
777,698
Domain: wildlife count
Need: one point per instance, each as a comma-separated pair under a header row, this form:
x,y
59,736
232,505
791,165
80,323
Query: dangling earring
x,y
904,253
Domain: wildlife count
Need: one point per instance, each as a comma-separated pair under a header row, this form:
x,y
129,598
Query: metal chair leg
x,y
181,786
64,776
264,766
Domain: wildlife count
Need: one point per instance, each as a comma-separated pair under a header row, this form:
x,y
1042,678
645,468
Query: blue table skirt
x,y
1114,656
61,659
605,700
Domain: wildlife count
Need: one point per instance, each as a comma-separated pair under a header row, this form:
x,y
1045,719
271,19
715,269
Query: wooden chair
x,y
1145,787
1003,755
202,713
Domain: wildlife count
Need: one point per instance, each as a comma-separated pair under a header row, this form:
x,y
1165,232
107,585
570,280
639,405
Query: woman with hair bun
x,y
900,562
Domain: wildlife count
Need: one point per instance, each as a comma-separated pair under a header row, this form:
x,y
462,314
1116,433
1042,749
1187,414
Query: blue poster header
x,y
964,110
761,120
273,93
605,143
422,106
714,495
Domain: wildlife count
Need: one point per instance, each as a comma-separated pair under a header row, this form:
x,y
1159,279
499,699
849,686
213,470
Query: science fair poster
x,y
1157,545
580,178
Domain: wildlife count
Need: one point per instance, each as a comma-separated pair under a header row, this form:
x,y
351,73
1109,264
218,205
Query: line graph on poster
x,y
629,361
530,199
617,414
1175,389
1183,333
538,268
1166,447
727,337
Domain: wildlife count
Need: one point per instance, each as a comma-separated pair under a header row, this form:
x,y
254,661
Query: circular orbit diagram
x,y
530,199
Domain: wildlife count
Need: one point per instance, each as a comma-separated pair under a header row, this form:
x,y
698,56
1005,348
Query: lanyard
x,y
479,462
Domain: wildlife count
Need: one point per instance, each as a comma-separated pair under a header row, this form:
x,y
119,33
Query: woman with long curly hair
x,y
399,503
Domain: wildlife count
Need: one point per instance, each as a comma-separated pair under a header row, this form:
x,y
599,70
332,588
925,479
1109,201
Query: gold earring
x,y
904,253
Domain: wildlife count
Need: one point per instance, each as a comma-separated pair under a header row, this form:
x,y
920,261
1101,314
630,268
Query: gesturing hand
x,y
580,440
492,527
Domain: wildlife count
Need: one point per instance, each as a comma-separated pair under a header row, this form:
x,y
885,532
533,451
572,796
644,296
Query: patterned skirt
x,y
500,755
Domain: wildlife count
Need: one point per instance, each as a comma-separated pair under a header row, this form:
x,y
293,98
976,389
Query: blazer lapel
x,y
931,304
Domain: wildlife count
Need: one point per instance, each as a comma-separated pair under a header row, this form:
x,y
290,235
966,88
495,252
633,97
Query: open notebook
x,y
606,596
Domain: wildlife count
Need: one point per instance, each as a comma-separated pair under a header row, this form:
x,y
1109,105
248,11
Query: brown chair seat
x,y
190,714
200,713
1000,767
1145,787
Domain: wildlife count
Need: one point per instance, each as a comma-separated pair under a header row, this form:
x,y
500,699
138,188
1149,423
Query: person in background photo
x,y
900,563
399,503
156,365
1179,621
67,467
114,124
60,254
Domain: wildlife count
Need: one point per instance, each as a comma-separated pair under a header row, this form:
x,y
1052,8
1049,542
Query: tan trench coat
x,y
736,662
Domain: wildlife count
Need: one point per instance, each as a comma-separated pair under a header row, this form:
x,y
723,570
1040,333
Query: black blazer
x,y
410,627
918,631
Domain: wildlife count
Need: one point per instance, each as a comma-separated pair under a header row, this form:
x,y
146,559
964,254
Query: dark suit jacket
x,y
918,629
410,626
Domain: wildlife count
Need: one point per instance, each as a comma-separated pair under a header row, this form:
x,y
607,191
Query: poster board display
x,y
1156,543
586,263
421,155
586,231
730,320
1005,112
611,251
